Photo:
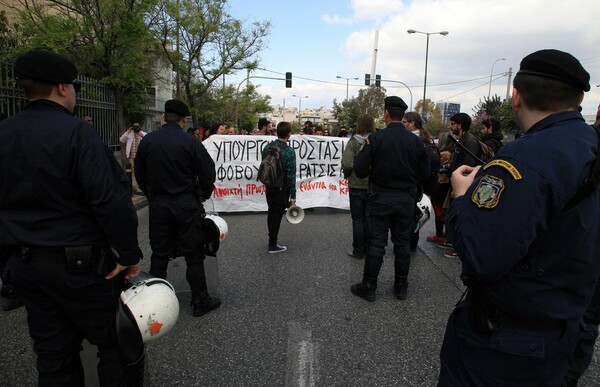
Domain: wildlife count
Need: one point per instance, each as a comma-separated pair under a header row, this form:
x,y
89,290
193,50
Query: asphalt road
x,y
290,319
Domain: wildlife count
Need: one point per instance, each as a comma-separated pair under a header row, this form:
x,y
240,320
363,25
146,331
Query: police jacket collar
x,y
396,124
171,125
47,104
554,119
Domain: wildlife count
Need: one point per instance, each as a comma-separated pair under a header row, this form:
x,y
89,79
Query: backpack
x,y
487,153
271,172
433,154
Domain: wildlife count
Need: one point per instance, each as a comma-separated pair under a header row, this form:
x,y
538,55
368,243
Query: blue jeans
x,y
358,210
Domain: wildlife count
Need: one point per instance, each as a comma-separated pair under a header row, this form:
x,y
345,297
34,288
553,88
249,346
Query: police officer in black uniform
x,y
396,163
177,174
64,208
527,239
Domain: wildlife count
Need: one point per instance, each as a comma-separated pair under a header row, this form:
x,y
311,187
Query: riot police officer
x,y
527,237
395,161
64,207
177,174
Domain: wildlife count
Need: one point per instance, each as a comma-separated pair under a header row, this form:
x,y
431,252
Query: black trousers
x,y
390,212
62,310
176,228
277,201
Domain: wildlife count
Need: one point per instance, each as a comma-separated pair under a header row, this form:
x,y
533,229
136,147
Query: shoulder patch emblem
x,y
514,172
488,191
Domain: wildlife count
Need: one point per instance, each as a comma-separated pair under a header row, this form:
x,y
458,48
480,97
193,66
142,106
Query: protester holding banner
x,y
281,197
395,161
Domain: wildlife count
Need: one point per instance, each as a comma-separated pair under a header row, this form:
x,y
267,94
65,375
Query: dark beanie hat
x,y
178,107
558,65
395,102
45,66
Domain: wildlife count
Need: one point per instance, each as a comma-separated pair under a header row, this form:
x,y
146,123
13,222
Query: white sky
x,y
319,40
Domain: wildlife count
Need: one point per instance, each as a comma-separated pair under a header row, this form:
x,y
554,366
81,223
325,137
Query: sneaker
x,y
276,249
451,254
436,239
445,245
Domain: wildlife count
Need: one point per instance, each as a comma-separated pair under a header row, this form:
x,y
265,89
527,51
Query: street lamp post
x,y
347,80
299,104
491,73
443,33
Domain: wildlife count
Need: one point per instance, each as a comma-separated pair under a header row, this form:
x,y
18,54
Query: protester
x,y
527,232
491,134
357,187
413,122
280,198
264,127
64,207
395,162
131,138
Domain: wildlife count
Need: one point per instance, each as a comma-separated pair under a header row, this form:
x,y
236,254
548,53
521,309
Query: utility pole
x,y
509,84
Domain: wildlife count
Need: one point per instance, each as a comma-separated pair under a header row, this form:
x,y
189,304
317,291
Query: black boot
x,y
365,289
400,288
204,303
10,300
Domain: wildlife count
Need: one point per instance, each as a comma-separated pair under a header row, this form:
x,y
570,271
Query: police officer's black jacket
x,y
393,158
171,162
61,186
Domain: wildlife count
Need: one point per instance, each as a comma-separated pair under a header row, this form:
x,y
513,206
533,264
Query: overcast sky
x,y
318,40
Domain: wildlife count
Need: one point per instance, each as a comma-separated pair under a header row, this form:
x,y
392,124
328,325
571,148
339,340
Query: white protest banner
x,y
319,178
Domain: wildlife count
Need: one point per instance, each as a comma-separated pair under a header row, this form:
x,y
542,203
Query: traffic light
x,y
378,80
367,79
288,80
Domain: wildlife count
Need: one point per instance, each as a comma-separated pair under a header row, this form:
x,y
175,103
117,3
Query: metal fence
x,y
94,100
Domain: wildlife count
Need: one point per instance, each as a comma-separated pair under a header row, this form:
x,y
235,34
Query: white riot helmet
x,y
215,230
424,211
146,310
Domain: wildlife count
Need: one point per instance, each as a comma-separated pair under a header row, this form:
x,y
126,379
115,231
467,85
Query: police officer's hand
x,y
462,178
132,271
292,202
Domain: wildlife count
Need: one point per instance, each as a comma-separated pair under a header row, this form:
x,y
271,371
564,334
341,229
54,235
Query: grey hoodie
x,y
354,146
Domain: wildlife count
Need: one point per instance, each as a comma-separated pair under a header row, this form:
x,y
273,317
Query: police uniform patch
x,y
488,191
514,172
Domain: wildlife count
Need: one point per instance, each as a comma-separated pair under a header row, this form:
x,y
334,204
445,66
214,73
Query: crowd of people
x,y
523,222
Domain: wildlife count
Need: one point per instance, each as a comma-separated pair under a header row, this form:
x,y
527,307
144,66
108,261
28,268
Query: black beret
x,y
557,65
395,102
178,107
46,66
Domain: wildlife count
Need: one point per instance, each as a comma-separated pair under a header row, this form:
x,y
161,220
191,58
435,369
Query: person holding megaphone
x,y
278,173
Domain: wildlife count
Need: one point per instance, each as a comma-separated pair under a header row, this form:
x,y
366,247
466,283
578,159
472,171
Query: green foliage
x,y
203,42
108,40
369,101
496,108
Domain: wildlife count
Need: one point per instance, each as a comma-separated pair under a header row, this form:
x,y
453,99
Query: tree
x,y
108,40
203,42
430,109
369,101
221,104
496,108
